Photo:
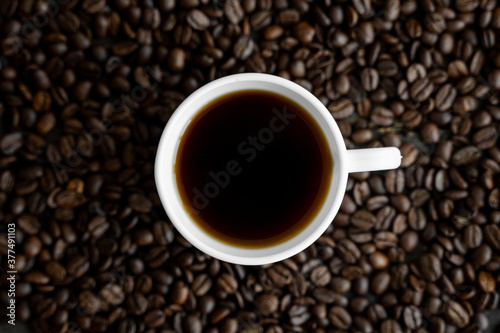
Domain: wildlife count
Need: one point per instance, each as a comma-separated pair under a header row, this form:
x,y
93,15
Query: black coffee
x,y
253,168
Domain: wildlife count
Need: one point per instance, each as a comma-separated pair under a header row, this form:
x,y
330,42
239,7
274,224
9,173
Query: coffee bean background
x,y
86,88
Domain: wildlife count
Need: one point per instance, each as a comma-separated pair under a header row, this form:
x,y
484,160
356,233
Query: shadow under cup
x,y
172,199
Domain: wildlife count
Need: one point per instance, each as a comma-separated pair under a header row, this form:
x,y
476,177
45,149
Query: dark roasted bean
x,y
430,267
243,47
421,90
391,325
412,317
154,318
465,156
369,79
341,109
395,181
382,116
473,236
445,97
348,251
456,314
198,20
339,318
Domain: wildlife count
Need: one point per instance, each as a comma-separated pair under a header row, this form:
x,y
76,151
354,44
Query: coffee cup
x,y
184,217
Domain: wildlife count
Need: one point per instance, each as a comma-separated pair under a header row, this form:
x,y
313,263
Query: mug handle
x,y
373,159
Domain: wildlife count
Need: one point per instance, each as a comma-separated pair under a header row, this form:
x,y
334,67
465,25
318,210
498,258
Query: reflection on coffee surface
x,y
253,168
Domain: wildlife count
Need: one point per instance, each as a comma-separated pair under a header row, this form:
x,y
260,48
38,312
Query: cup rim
x,y
171,204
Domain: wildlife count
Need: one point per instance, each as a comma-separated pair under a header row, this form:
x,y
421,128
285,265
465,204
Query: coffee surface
x,y
253,168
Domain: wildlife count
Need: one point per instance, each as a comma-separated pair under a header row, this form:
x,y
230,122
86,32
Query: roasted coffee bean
x,y
206,304
363,7
156,256
136,304
280,275
140,203
89,302
45,308
382,116
409,240
304,32
56,271
430,267
456,314
268,303
466,155
362,324
29,224
192,324
363,220
261,19
10,143
321,276
143,237
473,236
430,133
341,108
77,266
176,60
376,313
340,285
494,79
154,318
415,71
362,136
421,90
93,6
486,281
243,47
492,235
97,226
163,233
234,11
32,246
411,119
198,20
385,239
201,284
412,317
37,277
348,251
227,283
379,260
395,181
485,138
112,294
380,282
445,97
339,318
370,79
376,202
391,325
464,104
127,325
481,255
180,293
273,32
387,68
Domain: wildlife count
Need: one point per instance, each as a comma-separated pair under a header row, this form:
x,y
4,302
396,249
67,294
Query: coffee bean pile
x,y
87,86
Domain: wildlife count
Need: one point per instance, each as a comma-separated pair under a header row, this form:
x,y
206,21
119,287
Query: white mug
x,y
346,161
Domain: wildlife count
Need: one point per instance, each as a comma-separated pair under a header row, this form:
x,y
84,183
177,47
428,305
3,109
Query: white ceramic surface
x,y
345,161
